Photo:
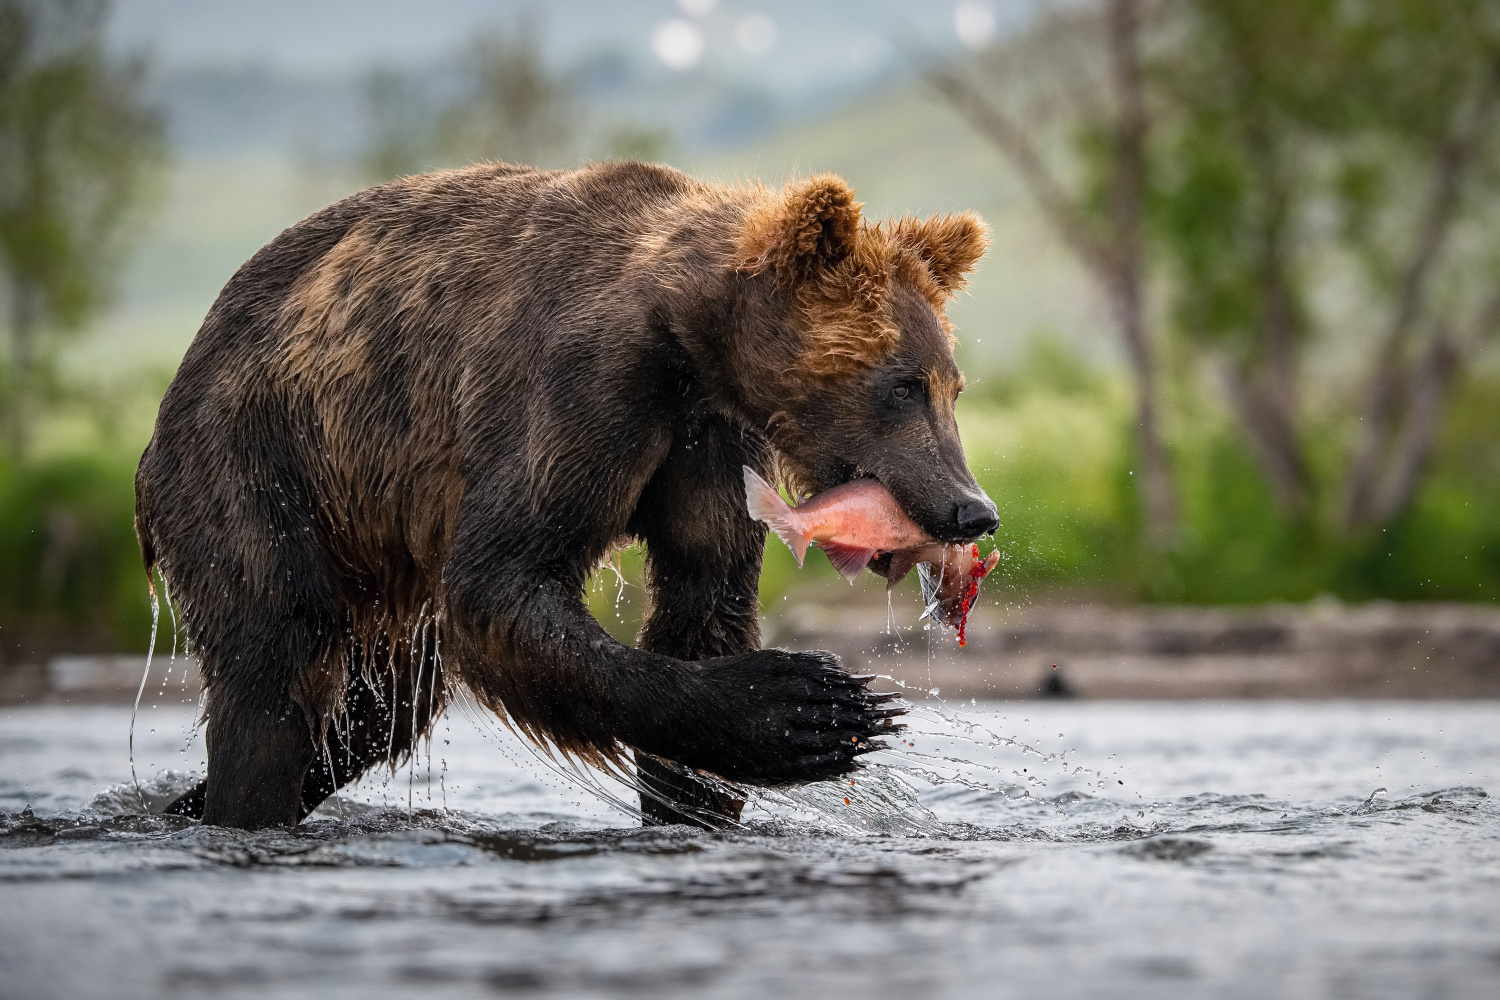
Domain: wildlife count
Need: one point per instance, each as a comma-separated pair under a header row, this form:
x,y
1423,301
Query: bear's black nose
x,y
976,517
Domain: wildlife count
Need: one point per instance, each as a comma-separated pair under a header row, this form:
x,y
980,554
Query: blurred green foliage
x,y
70,570
1298,147
79,150
1240,547
1051,444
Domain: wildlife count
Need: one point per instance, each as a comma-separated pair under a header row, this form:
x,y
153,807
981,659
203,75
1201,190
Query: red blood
x,y
977,572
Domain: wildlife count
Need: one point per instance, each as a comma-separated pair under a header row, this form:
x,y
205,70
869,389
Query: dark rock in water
x,y
1055,685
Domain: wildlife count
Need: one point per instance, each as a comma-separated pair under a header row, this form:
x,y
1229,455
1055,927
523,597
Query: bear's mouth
x,y
847,472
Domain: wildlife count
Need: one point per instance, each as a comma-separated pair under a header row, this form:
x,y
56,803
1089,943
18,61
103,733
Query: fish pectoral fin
x,y
847,559
901,564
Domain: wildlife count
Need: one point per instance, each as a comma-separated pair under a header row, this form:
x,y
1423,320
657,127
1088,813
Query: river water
x,y
1021,849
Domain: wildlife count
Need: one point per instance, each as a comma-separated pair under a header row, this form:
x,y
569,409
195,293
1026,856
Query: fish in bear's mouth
x,y
860,525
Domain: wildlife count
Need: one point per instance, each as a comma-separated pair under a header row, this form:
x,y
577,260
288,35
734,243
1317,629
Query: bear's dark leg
x,y
190,802
255,767
673,794
257,756
369,734
376,729
256,593
382,724
703,572
257,759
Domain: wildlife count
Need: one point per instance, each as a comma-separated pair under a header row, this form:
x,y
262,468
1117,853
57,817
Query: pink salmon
x,y
856,522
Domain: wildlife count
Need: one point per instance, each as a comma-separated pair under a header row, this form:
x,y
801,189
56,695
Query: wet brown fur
x,y
844,271
412,423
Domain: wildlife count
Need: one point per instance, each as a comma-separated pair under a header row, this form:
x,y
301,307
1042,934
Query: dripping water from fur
x,y
145,673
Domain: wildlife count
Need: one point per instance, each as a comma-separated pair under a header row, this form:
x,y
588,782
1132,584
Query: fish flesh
x,y
860,524
852,523
950,582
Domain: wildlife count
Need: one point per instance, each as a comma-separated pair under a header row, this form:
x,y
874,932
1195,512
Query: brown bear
x,y
413,423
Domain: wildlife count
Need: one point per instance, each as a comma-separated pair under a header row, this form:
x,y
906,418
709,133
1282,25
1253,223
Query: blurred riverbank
x,y
1317,650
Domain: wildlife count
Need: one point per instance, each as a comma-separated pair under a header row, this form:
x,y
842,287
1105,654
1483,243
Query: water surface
x,y
1021,849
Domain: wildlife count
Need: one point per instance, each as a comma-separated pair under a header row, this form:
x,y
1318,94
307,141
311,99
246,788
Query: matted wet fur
x,y
413,423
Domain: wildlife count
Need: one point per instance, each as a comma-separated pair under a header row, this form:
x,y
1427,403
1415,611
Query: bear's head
x,y
861,379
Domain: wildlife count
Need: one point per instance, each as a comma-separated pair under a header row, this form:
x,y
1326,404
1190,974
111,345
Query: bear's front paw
x,y
781,717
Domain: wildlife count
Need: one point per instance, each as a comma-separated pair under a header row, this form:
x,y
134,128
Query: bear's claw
x,y
782,717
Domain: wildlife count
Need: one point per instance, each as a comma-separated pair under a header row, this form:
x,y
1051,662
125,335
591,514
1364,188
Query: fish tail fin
x,y
765,504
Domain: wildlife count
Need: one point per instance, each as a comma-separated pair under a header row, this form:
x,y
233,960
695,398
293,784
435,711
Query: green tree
x,y
1420,199
79,145
503,101
1079,72
400,133
515,107
1304,139
510,105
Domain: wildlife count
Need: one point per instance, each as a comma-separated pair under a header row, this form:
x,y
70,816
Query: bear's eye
x,y
902,391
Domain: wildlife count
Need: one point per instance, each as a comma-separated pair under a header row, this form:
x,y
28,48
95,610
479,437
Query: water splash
x,y
1368,805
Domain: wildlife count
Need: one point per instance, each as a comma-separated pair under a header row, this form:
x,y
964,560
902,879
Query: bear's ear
x,y
810,225
949,245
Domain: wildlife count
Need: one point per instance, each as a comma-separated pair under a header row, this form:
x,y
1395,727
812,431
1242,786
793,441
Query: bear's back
x,y
339,359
